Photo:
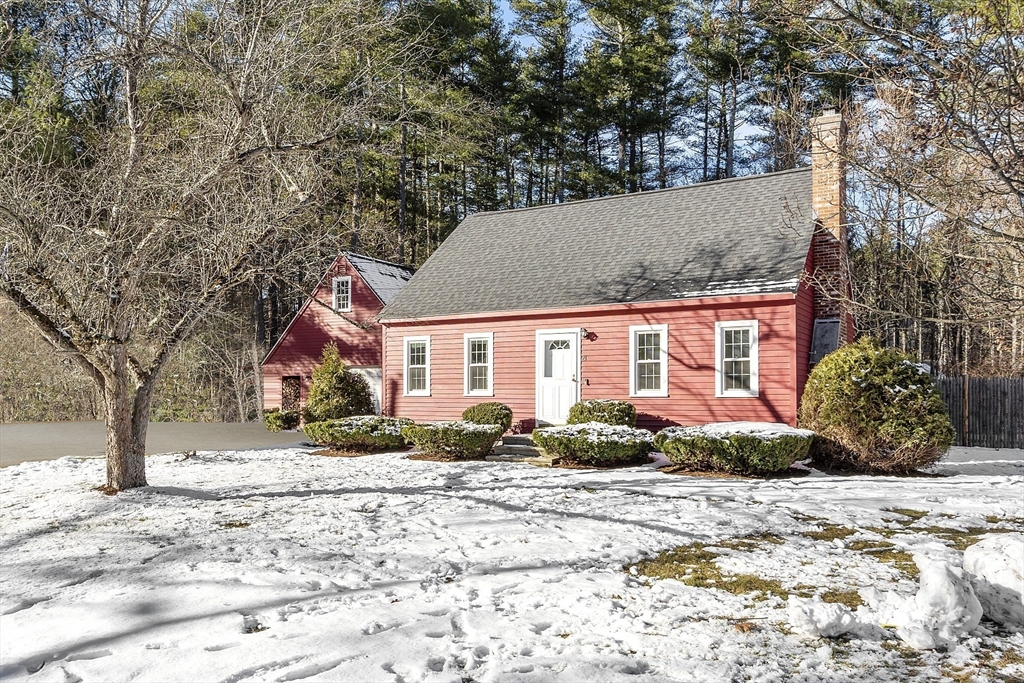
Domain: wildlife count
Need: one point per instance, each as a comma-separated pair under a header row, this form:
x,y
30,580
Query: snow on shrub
x,y
364,432
595,443
874,410
490,413
276,419
745,447
335,391
603,410
459,440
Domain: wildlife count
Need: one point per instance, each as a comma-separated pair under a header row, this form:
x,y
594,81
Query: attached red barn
x,y
342,310
697,304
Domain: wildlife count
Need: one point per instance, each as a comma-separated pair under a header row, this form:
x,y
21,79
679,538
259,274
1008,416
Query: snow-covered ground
x,y
278,565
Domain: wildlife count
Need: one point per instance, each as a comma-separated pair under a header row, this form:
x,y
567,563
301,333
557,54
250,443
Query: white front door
x,y
558,364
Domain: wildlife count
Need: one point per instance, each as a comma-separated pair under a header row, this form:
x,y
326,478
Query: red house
x,y
343,310
697,304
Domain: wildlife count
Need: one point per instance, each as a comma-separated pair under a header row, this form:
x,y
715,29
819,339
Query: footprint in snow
x,y
88,654
375,627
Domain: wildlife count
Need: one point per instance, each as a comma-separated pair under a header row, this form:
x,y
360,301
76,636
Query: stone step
x,y
519,451
517,440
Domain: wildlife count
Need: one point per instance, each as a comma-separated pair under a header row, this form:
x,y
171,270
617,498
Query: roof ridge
x,y
660,190
378,260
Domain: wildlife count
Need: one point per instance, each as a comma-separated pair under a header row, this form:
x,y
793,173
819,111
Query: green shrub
x,y
603,410
744,447
362,433
874,410
453,440
276,419
595,443
335,391
491,413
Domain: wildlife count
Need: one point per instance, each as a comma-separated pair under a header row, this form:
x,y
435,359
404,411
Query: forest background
x,y
497,106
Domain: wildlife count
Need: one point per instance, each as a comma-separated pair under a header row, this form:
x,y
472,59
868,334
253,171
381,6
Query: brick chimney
x,y
831,266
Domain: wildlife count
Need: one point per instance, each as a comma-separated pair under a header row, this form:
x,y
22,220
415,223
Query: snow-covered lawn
x,y
279,565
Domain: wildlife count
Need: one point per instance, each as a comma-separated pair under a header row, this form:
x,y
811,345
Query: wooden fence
x,y
985,411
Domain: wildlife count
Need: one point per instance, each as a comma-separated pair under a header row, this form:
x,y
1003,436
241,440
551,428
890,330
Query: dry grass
x,y
695,566
751,542
830,532
851,599
233,524
908,512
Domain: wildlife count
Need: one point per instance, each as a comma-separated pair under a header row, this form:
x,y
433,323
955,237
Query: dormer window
x,y
342,287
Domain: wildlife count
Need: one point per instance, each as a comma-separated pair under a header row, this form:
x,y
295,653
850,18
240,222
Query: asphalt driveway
x,y
30,441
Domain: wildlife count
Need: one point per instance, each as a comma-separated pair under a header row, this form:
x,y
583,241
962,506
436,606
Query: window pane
x,y
417,353
737,343
478,378
478,352
737,374
648,376
648,346
418,379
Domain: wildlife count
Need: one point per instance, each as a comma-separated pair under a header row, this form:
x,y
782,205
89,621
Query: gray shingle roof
x,y
386,279
738,236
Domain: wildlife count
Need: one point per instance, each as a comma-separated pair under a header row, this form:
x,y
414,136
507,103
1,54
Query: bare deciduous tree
x,y
156,156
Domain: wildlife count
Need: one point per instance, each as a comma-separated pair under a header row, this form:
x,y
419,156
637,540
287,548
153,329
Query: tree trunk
x,y
126,413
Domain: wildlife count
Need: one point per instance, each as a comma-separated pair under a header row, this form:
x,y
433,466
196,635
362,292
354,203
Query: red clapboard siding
x,y
605,360
804,311
315,326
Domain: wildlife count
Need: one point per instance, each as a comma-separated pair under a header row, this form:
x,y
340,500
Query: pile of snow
x,y
817,619
721,430
943,611
995,566
599,432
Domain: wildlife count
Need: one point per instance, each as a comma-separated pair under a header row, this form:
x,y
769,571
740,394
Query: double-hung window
x,y
478,363
417,366
648,368
342,289
736,358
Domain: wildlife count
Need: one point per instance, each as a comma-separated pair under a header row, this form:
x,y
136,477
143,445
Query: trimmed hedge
x,y
603,410
276,419
335,391
874,410
490,413
364,432
595,443
742,447
453,440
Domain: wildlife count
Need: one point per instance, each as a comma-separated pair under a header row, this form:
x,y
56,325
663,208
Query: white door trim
x,y
574,332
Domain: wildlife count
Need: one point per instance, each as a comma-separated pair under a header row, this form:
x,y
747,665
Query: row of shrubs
x,y
865,408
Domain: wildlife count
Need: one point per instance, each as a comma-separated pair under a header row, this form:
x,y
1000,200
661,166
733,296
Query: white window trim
x,y
489,336
635,330
405,366
334,293
720,328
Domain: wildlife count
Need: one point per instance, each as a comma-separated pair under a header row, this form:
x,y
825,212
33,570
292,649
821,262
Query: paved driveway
x,y
27,441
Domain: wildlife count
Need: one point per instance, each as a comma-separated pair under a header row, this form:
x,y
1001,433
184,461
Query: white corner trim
x,y
633,331
720,327
489,336
405,366
334,293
